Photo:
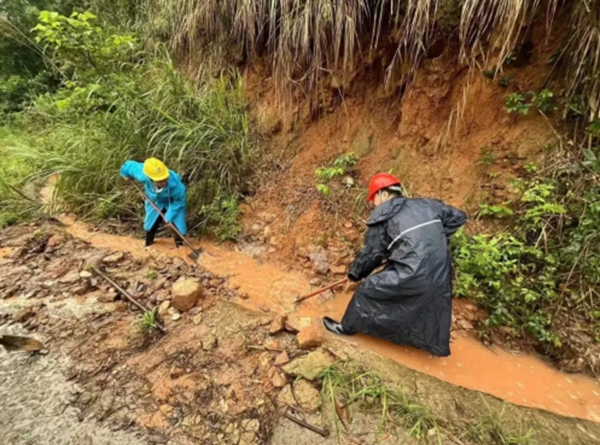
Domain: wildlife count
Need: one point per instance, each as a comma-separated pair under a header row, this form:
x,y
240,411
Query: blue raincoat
x,y
172,197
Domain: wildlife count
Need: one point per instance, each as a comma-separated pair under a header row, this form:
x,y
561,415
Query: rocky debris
x,y
265,361
282,359
274,345
286,397
163,308
338,270
209,342
318,258
106,298
307,396
70,278
85,274
278,380
186,293
310,337
176,316
295,323
310,366
197,319
113,258
278,324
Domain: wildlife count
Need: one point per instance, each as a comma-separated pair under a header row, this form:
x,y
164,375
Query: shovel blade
x,y
194,256
15,343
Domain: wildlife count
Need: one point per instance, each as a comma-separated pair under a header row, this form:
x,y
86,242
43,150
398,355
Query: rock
x,y
265,360
315,281
466,324
85,274
186,293
55,240
120,306
267,232
274,345
251,425
348,225
176,316
286,397
338,270
209,342
295,323
307,396
310,337
114,258
248,438
214,283
107,298
197,319
82,289
282,359
70,278
278,380
310,366
278,324
163,308
319,261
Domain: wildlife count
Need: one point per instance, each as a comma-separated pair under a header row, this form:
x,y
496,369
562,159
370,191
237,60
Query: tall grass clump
x,y
306,41
118,102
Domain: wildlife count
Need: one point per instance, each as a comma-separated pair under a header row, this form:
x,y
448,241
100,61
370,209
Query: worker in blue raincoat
x,y
165,188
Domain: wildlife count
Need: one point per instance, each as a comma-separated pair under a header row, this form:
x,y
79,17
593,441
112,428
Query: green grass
x,y
148,321
349,386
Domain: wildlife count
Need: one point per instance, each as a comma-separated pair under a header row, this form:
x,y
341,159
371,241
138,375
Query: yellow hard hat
x,y
155,169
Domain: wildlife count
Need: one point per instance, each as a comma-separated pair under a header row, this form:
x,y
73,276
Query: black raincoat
x,y
410,301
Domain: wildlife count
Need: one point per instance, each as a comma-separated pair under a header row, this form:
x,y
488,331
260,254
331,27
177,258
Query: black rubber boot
x,y
335,327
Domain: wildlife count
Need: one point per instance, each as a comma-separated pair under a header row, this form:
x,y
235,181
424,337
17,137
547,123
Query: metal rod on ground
x,y
195,253
320,291
314,429
125,294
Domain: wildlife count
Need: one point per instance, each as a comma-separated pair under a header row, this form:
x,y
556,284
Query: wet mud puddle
x,y
519,379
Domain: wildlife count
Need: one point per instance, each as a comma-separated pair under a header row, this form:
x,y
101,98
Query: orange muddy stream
x,y
522,380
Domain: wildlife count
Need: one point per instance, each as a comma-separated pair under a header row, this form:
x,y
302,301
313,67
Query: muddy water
x,y
522,380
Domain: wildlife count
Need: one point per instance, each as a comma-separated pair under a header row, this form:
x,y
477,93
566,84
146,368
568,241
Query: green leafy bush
x,y
341,166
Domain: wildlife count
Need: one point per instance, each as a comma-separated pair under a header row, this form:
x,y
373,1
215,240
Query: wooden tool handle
x,y
320,291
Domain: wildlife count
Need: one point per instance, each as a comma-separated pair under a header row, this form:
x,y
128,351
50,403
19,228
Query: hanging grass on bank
x,y
119,102
306,41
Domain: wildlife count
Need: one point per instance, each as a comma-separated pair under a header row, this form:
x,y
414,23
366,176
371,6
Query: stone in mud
x,y
309,367
286,397
294,323
278,380
278,324
274,345
85,274
265,360
338,270
107,298
310,337
163,308
186,293
197,319
307,396
113,258
318,257
176,316
70,278
282,359
209,342
250,425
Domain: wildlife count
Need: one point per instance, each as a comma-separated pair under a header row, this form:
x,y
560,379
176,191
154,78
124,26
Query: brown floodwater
x,y
520,379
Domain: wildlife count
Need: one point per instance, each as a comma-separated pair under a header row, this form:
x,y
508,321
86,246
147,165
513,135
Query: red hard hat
x,y
379,182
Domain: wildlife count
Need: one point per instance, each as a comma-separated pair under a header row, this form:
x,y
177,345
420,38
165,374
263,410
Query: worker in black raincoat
x,y
410,301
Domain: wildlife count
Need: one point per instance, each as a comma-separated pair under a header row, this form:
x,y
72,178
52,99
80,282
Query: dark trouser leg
x,y
178,240
150,234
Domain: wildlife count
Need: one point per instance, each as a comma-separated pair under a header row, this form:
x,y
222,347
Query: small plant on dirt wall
x,y
522,102
341,166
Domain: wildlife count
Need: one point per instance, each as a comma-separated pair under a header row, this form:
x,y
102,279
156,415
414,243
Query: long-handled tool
x,y
125,294
195,252
320,291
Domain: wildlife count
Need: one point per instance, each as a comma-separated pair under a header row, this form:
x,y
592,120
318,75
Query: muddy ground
x,y
222,374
